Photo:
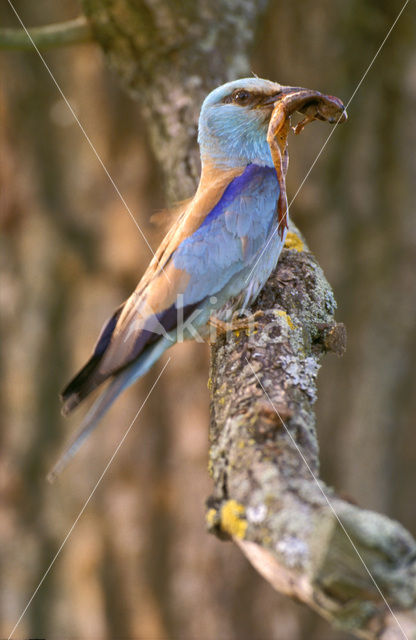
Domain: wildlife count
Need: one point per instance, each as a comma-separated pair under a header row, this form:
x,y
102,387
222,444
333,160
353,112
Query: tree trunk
x,y
163,53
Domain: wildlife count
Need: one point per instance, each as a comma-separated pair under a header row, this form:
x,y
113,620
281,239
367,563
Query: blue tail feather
x,y
120,382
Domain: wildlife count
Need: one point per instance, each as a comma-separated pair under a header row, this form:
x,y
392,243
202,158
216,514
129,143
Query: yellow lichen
x,y
211,518
222,389
288,319
294,242
232,520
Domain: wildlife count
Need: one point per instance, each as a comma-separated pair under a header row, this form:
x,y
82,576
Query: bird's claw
x,y
236,324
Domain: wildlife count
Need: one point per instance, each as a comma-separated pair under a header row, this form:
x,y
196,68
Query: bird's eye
x,y
241,96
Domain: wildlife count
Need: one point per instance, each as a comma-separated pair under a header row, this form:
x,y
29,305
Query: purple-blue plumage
x,y
236,188
231,237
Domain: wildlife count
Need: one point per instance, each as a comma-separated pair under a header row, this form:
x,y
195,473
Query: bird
x,y
214,260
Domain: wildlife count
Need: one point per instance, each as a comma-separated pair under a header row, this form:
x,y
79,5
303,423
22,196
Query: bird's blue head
x,y
234,121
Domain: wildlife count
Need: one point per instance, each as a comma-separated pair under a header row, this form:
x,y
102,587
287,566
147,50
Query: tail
x,y
120,382
89,378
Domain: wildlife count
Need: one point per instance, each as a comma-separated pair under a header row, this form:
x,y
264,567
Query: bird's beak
x,y
274,97
271,100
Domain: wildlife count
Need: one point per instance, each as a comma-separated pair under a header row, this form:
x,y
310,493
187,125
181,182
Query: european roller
x,y
219,253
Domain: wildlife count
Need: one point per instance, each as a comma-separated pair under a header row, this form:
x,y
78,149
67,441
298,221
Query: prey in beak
x,y
314,106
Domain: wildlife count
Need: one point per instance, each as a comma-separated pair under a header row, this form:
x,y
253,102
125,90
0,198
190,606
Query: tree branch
x,y
52,35
304,539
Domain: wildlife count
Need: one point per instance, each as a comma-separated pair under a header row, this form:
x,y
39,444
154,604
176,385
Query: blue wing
x,y
214,258
231,236
227,242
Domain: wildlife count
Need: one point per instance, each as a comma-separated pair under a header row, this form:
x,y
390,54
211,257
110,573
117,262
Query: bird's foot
x,y
242,323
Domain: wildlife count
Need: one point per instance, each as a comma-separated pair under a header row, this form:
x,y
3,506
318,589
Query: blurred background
x,y
139,563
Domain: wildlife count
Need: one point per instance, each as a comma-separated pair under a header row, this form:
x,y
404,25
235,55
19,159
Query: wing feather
x,y
200,255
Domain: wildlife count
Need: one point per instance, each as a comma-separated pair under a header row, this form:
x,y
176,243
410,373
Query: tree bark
x,y
342,561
